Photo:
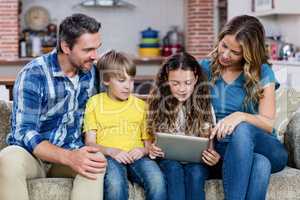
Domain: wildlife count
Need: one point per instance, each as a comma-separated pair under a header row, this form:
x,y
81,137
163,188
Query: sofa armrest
x,y
292,140
5,112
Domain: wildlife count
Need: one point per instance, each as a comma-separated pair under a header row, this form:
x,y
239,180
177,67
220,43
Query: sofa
x,y
283,185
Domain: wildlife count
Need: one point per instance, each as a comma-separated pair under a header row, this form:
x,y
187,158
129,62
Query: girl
x,y
179,103
243,96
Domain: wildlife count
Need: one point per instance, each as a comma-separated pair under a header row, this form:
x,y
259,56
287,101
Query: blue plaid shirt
x,y
47,106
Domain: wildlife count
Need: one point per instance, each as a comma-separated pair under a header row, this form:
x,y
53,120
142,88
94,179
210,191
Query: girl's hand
x,y
155,151
227,125
210,157
137,153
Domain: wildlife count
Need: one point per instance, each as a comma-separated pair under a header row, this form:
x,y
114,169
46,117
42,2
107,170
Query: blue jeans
x,y
144,171
185,180
249,156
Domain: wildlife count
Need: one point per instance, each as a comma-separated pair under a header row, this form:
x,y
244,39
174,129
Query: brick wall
x,y
199,27
9,29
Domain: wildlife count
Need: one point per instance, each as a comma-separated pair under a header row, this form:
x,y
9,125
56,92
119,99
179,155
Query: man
x,y
49,99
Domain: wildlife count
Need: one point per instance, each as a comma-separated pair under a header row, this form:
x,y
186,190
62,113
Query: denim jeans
x,y
249,156
185,180
144,171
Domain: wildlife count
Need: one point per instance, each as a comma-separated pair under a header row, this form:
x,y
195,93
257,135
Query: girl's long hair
x,y
164,107
250,34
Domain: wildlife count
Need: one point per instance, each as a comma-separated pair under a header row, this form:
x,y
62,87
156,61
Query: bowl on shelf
x,y
149,52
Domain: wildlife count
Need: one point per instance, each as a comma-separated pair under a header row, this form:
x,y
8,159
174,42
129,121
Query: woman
x,y
243,96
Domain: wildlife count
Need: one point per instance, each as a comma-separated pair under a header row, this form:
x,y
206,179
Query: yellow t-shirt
x,y
119,124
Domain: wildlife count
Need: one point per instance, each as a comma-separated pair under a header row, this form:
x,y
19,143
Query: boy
x,y
114,122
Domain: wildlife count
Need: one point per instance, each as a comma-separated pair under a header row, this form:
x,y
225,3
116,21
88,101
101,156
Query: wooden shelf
x,y
150,60
138,61
19,61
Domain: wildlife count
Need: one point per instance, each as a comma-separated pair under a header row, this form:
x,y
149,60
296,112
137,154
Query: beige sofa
x,y
283,185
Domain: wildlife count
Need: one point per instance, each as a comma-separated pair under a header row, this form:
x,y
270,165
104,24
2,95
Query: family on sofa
x,y
60,126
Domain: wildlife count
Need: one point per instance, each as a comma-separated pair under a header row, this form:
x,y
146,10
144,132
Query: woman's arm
x,y
266,110
264,119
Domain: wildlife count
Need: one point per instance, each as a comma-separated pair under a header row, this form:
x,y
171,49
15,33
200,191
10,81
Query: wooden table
x,y
9,84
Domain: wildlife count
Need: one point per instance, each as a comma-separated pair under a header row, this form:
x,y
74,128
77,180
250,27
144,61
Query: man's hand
x,y
137,153
87,162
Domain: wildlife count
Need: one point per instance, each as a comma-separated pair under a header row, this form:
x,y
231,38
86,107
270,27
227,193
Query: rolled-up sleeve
x,y
27,108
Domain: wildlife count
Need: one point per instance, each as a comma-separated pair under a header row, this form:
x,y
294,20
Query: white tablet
x,y
181,147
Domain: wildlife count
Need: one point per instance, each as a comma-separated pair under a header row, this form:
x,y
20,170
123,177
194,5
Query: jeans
x,y
144,171
249,155
185,180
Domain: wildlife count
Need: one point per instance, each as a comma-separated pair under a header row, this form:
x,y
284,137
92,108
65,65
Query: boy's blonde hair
x,y
115,64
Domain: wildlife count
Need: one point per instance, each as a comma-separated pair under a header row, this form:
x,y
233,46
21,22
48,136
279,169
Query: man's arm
x,y
28,92
85,161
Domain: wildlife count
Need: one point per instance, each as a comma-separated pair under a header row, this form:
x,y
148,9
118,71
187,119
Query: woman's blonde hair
x,y
250,34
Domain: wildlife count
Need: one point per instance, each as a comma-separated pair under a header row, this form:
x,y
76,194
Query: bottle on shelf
x,y
22,47
28,44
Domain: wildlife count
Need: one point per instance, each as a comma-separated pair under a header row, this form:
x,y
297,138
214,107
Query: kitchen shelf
x,y
150,60
137,60
18,61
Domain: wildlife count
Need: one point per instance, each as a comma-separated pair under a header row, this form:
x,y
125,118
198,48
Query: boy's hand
x,y
155,151
112,152
137,153
119,155
210,157
123,157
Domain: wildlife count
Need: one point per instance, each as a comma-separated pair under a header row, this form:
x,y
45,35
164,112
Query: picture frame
x,y
262,5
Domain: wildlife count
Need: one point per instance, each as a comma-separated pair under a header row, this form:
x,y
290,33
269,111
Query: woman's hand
x,y
155,152
227,125
210,157
137,153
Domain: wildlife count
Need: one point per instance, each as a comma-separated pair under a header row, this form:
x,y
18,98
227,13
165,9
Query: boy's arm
x,y
117,154
90,140
147,144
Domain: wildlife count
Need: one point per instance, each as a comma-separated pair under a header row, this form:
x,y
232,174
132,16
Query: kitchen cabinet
x,y
265,8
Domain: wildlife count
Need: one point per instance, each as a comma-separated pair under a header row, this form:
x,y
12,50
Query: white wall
x,y
238,7
121,26
286,25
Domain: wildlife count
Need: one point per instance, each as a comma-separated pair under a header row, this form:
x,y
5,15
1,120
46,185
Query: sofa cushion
x,y
60,189
283,185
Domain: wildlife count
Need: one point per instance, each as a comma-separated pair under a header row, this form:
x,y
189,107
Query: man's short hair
x,y
72,27
115,64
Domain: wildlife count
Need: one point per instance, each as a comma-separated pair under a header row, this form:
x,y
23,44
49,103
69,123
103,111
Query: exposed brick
x,y
199,28
9,29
